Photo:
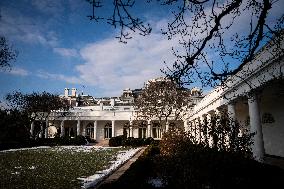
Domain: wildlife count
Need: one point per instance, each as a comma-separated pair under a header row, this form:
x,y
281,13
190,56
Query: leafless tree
x,y
203,28
7,54
35,106
162,99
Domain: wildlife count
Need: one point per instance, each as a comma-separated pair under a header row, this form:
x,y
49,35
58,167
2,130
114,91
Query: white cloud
x,y
49,6
16,71
18,26
112,66
66,52
60,77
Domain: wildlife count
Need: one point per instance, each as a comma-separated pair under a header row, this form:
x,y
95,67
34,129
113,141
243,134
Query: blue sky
x,y
60,47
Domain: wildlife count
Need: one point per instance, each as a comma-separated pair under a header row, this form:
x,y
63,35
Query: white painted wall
x,y
273,133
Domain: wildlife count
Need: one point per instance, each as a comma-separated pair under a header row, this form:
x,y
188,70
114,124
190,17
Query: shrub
x,y
116,141
148,141
89,139
186,163
130,141
79,140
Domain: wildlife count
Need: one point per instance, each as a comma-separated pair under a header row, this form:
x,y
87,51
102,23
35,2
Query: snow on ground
x,y
82,148
121,158
156,182
19,149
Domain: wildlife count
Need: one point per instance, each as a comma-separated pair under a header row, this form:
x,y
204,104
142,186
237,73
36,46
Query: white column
x,y
131,128
190,127
232,120
78,127
84,130
95,129
209,124
46,128
149,128
41,130
185,125
112,128
167,125
62,129
232,111
32,128
255,127
195,130
232,115
201,124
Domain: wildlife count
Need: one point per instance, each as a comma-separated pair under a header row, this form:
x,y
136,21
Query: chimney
x,y
73,92
66,92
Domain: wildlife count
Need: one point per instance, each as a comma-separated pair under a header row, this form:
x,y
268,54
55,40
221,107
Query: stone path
x,y
119,172
276,161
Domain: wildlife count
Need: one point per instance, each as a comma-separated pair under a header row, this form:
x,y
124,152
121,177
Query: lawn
x,y
55,167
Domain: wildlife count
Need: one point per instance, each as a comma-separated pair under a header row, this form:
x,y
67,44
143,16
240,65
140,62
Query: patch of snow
x,y
32,167
121,158
15,173
82,148
156,182
19,149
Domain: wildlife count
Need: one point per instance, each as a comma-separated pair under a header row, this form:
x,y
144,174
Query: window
x,y
90,130
126,130
157,131
108,131
142,130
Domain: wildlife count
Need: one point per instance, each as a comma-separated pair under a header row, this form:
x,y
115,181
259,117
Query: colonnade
x,y
147,128
254,123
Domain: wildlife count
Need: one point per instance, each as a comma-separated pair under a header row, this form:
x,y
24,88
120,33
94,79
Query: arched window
x,y
126,130
157,130
108,131
90,130
142,130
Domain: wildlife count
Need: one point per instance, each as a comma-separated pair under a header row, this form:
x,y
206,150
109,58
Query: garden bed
x,y
205,168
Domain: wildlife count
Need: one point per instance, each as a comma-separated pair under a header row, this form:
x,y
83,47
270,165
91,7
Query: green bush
x,y
188,164
134,142
148,141
116,141
90,140
66,140
79,140
130,141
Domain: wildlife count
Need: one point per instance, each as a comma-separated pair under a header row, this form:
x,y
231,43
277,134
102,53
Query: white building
x,y
102,118
255,98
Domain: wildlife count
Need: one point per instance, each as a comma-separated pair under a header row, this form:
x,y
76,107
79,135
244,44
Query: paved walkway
x,y
119,172
276,161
